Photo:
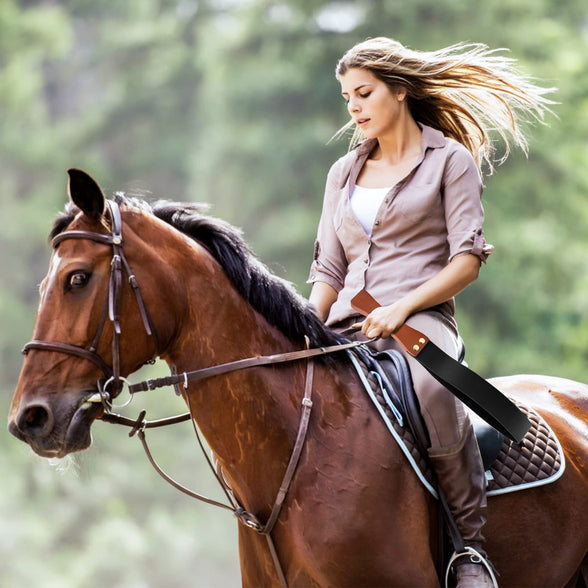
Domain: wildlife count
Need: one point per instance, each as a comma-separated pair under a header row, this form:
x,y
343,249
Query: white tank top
x,y
365,203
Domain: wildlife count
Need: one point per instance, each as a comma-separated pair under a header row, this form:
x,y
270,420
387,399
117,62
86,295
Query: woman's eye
x,y
364,95
78,280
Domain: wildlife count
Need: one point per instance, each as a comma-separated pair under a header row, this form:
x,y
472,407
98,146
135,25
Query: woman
x,y
402,218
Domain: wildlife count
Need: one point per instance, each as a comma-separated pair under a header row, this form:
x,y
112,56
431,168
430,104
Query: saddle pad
x,y
537,461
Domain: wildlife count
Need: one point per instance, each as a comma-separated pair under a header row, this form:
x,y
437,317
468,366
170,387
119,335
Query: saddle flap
x,y
392,368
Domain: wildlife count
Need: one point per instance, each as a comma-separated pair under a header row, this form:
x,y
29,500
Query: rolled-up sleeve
x,y
329,263
464,213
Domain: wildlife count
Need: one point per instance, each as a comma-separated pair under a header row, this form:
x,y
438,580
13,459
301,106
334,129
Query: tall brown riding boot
x,y
461,477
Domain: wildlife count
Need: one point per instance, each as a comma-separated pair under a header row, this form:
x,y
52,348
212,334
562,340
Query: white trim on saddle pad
x,y
510,455
534,417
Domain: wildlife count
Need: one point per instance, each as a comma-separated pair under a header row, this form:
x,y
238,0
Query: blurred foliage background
x,y
233,102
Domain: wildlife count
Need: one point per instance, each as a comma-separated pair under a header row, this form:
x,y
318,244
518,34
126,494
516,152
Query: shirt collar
x,y
431,138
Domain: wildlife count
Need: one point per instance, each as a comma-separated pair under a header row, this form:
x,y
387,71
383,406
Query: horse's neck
x,y
245,416
219,326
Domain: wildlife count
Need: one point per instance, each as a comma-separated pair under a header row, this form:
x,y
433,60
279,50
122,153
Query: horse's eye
x,y
78,280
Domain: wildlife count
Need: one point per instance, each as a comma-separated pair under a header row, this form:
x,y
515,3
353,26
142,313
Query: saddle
x,y
537,460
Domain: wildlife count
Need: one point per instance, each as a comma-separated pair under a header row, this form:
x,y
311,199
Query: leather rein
x,y
112,375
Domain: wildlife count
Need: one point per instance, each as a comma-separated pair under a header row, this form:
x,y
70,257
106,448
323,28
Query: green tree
x,y
233,102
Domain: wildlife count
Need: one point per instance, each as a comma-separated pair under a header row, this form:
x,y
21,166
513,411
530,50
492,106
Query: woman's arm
x,y
450,281
322,296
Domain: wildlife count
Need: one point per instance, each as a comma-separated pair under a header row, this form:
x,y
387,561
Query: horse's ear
x,y
86,194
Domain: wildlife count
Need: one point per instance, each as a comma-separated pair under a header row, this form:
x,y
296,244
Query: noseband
x,y
111,308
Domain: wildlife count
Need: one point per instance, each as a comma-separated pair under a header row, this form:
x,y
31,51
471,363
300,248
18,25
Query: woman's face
x,y
375,108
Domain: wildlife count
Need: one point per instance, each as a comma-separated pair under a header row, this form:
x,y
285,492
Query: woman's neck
x,y
403,141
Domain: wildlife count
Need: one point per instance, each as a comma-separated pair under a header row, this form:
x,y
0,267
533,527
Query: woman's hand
x,y
385,320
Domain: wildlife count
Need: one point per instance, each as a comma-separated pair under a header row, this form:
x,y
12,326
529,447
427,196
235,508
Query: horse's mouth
x,y
78,435
72,436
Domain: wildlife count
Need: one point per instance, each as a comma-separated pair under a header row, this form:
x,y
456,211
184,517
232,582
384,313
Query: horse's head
x,y
94,325
91,329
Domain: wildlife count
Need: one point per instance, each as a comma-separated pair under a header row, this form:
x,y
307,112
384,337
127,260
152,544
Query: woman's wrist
x,y
405,307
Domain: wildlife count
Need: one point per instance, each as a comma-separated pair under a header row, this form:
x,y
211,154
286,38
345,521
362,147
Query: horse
x,y
355,513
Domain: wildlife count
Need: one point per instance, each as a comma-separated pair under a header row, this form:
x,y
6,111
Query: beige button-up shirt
x,y
431,216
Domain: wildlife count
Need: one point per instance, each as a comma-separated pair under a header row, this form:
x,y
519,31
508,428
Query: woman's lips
x,y
361,122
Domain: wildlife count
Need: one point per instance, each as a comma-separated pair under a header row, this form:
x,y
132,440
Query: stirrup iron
x,y
475,557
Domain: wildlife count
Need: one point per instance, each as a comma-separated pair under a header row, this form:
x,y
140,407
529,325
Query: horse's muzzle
x,y
35,424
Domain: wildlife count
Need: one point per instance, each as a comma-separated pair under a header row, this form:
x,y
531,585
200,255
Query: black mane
x,y
272,297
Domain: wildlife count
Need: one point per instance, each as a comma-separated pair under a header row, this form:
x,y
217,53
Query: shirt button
x,y
365,260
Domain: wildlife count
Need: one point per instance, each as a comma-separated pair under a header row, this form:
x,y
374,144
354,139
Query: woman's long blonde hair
x,y
466,91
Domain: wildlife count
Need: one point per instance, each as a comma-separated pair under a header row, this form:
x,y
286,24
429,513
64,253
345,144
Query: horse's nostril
x,y
35,420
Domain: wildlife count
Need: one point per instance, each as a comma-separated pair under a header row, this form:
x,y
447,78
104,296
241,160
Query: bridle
x,y
112,375
112,312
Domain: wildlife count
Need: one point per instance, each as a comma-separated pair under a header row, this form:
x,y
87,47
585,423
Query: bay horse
x,y
355,513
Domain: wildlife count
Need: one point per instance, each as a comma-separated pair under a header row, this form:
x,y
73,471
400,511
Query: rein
x,y
139,425
248,519
113,375
233,366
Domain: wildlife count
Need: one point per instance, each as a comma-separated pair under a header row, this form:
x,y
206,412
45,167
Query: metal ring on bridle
x,y
117,379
